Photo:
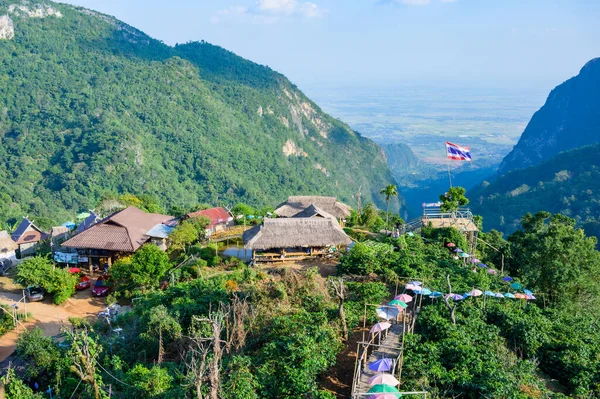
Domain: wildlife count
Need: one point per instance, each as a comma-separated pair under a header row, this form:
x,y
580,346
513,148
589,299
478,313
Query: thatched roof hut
x,y
294,233
7,245
296,204
313,212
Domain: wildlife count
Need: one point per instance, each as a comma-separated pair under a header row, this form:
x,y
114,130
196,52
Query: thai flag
x,y
457,152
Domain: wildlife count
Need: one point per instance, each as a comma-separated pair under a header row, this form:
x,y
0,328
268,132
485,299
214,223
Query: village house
x,y
296,204
220,219
120,234
28,236
314,233
8,248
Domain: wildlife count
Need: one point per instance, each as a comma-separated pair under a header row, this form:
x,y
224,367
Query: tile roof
x,y
216,215
122,231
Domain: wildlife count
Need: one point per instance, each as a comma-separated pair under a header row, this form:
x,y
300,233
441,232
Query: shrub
x,y
41,272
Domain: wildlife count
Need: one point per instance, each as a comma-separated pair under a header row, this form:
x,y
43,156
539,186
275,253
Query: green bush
x,y
41,272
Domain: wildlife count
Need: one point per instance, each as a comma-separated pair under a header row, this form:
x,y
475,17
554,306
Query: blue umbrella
x,y
435,294
455,297
384,364
482,265
458,250
424,291
466,294
464,255
527,292
416,283
69,225
507,278
489,293
516,286
509,295
499,295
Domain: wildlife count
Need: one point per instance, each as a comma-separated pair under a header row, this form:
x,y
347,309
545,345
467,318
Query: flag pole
x,y
448,164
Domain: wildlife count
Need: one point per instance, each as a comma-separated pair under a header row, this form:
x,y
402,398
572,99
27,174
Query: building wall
x,y
10,255
28,249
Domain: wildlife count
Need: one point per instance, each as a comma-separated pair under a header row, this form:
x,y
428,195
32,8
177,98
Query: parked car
x,y
102,286
84,282
35,293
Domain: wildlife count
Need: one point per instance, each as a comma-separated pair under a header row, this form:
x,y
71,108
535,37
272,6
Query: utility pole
x,y
358,194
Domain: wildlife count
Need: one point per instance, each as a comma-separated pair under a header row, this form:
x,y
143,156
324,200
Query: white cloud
x,y
415,2
269,11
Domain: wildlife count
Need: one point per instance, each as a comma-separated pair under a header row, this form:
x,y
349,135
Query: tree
x,y
557,259
388,191
453,199
184,235
84,353
144,269
159,322
370,218
41,272
340,292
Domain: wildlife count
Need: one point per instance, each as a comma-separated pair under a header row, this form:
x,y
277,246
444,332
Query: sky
x,y
363,43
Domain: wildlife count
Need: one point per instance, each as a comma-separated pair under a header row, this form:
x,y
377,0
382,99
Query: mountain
x,y
91,107
569,119
568,183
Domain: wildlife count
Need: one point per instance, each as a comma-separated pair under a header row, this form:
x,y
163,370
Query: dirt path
x,y
47,316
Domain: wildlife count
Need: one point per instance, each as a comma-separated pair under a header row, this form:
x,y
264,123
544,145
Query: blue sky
x,y
486,43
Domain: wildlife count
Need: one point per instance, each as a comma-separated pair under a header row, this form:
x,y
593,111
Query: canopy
x,y
411,287
507,278
464,255
435,294
398,302
458,250
475,260
531,297
520,296
492,271
404,298
419,283
381,326
83,215
388,395
74,270
424,291
383,378
509,295
528,292
489,293
384,364
451,244
388,312
455,297
476,292
69,225
499,295
482,265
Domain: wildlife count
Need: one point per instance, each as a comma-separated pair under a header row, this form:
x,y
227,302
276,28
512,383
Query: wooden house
x,y
28,236
120,234
288,239
220,219
296,204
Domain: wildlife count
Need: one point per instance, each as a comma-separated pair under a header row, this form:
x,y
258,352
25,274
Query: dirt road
x,y
47,316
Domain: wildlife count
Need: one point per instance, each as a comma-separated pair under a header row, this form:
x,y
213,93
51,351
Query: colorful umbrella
x,y
531,297
458,250
475,260
384,364
388,312
74,270
404,298
467,294
520,296
388,395
383,378
489,293
424,291
419,283
527,292
492,271
464,255
383,388
451,244
516,286
455,297
435,294
482,265
83,215
476,293
398,302
499,295
381,326
507,278
411,287
69,225
509,295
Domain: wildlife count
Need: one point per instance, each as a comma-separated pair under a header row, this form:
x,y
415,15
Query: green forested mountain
x,y
568,183
91,107
569,119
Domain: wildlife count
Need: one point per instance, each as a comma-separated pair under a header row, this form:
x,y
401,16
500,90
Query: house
x,y
220,219
8,247
28,236
284,239
120,234
59,234
159,234
330,205
87,222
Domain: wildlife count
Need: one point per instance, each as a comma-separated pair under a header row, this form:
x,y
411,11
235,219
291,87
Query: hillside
x,y
91,107
569,119
568,183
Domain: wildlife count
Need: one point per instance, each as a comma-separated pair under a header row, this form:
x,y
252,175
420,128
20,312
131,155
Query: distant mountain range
x,y
569,119
91,107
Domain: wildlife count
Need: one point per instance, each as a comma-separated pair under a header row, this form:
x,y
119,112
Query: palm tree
x,y
389,191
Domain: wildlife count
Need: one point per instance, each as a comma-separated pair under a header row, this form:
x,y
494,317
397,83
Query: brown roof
x,y
295,232
6,243
296,204
27,232
122,231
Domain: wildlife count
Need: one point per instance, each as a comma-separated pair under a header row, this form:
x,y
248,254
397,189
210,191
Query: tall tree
x,y
388,191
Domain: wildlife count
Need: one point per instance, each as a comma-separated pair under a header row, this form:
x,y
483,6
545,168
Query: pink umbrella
x,y
531,297
404,298
475,260
476,293
384,396
383,378
520,296
411,287
381,326
492,271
